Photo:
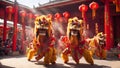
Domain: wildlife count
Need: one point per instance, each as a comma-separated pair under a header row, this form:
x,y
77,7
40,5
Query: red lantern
x,y
66,14
49,16
10,11
83,8
30,15
94,6
57,15
23,14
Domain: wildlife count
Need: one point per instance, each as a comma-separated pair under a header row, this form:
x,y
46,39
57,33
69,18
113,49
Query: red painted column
x,y
108,26
23,35
5,25
15,26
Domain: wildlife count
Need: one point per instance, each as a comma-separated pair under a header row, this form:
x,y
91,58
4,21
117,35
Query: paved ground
x,y
21,62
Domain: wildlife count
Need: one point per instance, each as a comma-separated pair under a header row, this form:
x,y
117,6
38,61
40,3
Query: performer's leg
x,y
64,55
104,54
53,58
39,56
48,55
75,55
27,51
88,57
31,53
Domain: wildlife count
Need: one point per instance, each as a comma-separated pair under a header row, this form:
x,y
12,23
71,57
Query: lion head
x,y
101,38
75,29
43,26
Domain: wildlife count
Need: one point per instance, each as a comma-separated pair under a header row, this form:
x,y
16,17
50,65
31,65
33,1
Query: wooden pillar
x,y
5,25
108,26
15,26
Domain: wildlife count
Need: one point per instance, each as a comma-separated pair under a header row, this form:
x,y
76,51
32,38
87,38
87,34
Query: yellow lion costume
x,y
97,45
75,43
44,41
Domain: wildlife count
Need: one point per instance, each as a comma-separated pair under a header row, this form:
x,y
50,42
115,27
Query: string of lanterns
x,y
83,8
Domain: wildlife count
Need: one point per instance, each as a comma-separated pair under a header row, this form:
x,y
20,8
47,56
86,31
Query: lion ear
x,y
80,21
69,20
75,18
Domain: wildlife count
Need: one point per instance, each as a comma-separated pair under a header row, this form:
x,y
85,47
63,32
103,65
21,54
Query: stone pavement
x,y
20,61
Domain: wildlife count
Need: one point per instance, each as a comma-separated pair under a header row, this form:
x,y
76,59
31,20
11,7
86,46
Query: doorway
x,y
116,29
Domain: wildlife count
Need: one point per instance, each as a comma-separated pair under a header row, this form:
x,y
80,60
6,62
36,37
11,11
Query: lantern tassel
x,y
93,13
83,14
9,16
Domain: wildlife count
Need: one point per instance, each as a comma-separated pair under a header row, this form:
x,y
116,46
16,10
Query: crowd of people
x,y
5,47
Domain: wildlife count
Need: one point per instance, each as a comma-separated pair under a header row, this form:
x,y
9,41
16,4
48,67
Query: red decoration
x,y
66,14
10,11
94,6
30,15
23,14
57,15
83,8
49,16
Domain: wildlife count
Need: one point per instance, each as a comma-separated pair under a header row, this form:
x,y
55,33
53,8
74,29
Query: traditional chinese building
x,y
98,15
14,20
101,16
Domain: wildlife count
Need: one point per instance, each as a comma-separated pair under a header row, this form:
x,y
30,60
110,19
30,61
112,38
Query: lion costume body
x,y
44,41
75,43
97,46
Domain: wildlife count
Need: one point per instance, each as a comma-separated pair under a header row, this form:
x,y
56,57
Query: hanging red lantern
x,y
66,14
83,8
23,14
49,16
57,15
30,15
10,11
94,6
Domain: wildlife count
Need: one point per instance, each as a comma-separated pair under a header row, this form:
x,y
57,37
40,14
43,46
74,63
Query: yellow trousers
x,y
31,54
76,56
49,56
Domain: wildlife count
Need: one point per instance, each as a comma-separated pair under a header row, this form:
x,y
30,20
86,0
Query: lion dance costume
x,y
97,45
76,46
43,43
